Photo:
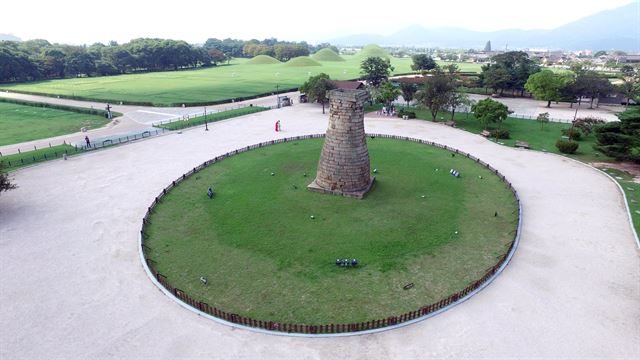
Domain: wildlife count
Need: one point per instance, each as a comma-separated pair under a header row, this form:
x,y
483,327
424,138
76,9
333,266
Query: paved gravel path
x,y
72,286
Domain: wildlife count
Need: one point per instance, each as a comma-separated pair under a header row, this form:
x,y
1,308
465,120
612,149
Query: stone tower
x,y
344,167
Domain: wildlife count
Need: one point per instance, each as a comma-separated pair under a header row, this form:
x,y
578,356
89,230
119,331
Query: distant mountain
x,y
611,29
9,37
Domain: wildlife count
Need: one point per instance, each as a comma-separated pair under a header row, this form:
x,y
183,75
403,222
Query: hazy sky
x,y
89,21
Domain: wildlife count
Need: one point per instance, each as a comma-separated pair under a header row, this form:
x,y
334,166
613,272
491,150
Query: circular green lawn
x,y
265,257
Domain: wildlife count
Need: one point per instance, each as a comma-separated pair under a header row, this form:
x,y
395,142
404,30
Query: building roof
x,y
348,85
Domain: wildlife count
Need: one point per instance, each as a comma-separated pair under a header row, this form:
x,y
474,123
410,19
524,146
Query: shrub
x,y
410,114
587,124
567,146
572,133
499,133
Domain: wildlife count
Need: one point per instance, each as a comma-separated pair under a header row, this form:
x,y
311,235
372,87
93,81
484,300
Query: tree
x,y
436,91
422,62
621,139
375,70
487,46
408,91
546,85
630,89
317,88
387,93
496,78
456,99
216,56
543,118
592,84
489,111
5,182
509,71
627,70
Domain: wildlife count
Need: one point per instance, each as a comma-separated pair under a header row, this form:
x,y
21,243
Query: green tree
x,y
489,111
456,99
216,56
497,78
387,93
630,89
408,91
509,71
422,62
317,88
375,70
543,118
436,91
621,139
5,182
592,85
546,85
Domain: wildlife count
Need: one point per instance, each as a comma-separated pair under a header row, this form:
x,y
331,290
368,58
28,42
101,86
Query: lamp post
x,y
206,126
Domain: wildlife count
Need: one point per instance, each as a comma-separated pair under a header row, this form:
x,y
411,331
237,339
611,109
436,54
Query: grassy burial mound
x,y
326,54
268,246
263,60
372,50
302,61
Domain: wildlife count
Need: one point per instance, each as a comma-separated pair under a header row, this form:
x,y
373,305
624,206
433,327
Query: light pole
x,y
206,126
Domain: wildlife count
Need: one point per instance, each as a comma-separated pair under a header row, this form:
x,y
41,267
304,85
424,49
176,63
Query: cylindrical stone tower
x,y
344,162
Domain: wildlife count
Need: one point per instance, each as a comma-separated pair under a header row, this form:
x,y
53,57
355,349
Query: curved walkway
x,y
72,286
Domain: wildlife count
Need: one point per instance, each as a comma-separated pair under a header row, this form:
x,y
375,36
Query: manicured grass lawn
x,y
631,190
264,257
222,115
16,161
20,123
204,85
541,139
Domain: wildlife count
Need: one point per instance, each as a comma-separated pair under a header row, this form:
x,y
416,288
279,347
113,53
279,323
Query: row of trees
x,y
514,71
281,50
580,83
39,59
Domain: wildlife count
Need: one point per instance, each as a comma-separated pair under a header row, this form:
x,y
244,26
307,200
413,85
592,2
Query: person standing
x,y
86,139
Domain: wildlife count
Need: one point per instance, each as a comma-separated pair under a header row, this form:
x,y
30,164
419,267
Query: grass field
x,y
631,190
264,257
16,161
239,79
20,123
222,115
541,139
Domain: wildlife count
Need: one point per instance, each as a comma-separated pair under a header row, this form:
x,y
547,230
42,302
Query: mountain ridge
x,y
617,29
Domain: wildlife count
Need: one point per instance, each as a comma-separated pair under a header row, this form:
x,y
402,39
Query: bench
x,y
485,133
450,123
522,144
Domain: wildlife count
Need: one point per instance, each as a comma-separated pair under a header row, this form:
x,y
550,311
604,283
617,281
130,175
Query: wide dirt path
x,y
72,285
